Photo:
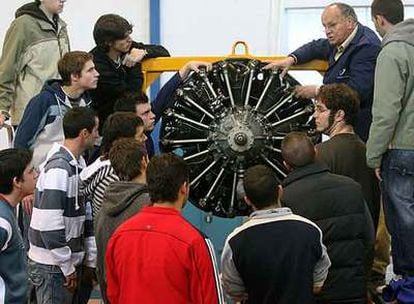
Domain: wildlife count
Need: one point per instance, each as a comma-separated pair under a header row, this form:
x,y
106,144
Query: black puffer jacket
x,y
336,204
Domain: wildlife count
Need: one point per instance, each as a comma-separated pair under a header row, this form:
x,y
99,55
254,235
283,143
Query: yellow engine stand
x,y
152,68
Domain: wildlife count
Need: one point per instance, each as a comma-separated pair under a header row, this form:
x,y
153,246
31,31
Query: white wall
x,y
80,15
209,28
199,27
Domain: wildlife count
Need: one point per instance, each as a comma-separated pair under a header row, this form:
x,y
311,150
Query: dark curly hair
x,y
340,96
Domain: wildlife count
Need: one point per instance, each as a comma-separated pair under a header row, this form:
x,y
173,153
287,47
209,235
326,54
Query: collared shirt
x,y
260,214
340,49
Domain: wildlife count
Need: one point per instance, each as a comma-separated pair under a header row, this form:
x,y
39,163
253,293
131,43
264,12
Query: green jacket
x,y
393,108
32,47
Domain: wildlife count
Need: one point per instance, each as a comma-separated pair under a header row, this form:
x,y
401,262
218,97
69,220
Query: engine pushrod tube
x,y
273,165
289,118
274,149
227,80
208,83
249,88
269,82
233,192
196,154
186,141
192,102
214,184
287,99
203,173
191,121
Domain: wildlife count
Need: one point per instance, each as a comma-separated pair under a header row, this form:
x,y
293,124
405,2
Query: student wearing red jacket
x,y
157,256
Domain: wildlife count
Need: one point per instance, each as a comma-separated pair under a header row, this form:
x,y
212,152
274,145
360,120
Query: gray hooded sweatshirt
x,y
393,107
122,200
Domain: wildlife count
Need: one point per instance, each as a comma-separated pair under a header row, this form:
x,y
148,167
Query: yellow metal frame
x,y
152,68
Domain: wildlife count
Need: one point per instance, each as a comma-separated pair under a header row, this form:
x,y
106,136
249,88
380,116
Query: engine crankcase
x,y
230,118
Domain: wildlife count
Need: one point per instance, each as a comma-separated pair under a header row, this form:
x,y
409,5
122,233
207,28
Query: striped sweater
x,y
94,180
58,233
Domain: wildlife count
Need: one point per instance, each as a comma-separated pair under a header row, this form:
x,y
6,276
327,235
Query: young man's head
x,y
297,150
261,187
112,33
121,125
17,175
53,7
385,14
138,104
81,124
168,180
77,69
337,106
128,158
338,20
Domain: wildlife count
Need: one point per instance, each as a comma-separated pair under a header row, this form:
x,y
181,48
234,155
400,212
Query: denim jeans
x,y
48,282
397,170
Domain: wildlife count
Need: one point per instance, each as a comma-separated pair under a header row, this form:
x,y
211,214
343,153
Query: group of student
x,y
52,98
106,210
62,253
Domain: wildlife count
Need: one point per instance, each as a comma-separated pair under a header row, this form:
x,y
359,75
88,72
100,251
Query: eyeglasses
x,y
320,108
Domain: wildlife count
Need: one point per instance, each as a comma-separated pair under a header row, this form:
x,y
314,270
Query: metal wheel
x,y
226,120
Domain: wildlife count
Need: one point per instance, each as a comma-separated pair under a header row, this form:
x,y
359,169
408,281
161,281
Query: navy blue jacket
x,y
162,101
42,110
42,122
355,67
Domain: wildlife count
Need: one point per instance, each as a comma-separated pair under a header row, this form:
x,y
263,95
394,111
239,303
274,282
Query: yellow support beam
x,y
152,68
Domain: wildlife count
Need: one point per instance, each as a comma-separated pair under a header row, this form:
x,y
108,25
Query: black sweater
x,y
114,81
